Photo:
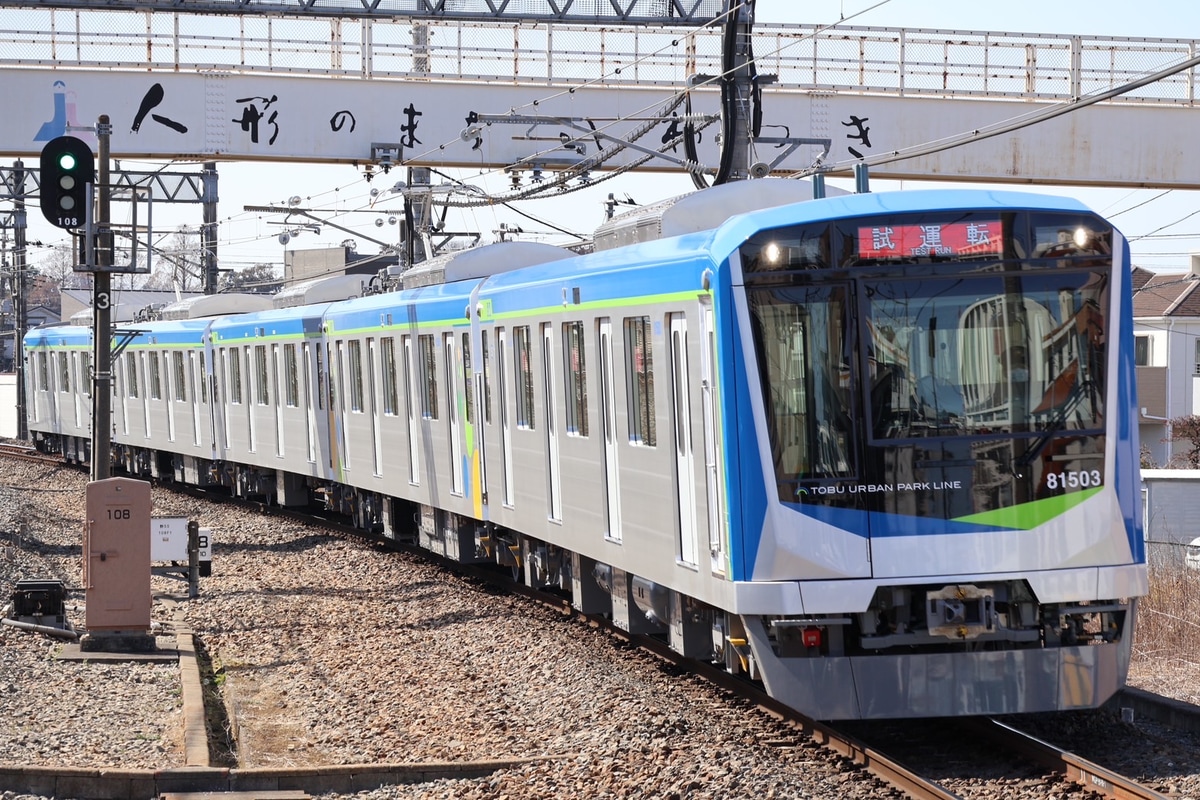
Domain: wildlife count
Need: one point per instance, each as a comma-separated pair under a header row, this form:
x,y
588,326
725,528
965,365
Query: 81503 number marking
x,y
1080,479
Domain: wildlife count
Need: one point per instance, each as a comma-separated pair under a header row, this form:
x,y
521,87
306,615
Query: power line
x,y
1164,227
1139,205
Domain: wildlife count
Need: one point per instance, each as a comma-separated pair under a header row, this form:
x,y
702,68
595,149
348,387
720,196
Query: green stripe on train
x,y
1027,516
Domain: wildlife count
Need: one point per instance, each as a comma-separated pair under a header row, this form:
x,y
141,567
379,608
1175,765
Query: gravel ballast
x,y
328,650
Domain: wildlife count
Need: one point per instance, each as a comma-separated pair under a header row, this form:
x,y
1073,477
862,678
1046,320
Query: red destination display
x,y
980,237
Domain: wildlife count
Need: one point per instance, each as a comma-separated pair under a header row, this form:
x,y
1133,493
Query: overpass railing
x,y
907,62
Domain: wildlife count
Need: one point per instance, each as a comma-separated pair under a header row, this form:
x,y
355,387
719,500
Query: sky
x,y
342,194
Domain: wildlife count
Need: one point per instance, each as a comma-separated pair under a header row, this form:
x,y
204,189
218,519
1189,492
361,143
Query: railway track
x,y
1087,774
963,755
784,726
790,724
25,452
1007,739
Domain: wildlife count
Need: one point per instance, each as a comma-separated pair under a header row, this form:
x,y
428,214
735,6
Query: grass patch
x,y
1168,619
222,746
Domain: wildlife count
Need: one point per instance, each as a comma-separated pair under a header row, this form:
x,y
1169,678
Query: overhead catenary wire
x,y
516,210
1139,205
1164,227
558,185
671,103
557,188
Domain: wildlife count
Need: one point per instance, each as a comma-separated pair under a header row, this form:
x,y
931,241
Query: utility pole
x,y
102,312
208,231
20,308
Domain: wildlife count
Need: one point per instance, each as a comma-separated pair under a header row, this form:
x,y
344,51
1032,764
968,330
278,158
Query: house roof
x,y
1165,295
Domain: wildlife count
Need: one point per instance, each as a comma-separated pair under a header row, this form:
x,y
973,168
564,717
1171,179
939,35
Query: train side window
x,y
427,372
575,379
155,376
391,398
197,386
524,376
180,376
290,376
468,383
203,379
262,394
235,376
487,379
43,373
335,374
131,369
639,365
64,374
319,351
273,378
356,376
87,373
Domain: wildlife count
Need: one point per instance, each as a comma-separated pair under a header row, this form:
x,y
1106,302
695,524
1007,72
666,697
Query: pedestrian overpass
x,y
556,94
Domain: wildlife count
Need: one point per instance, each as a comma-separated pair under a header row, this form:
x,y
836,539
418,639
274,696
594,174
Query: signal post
x,y
68,183
116,548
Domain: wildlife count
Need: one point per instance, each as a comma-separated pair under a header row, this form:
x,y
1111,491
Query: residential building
x,y
1166,312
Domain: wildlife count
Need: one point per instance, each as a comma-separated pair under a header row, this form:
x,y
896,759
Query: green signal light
x,y
67,161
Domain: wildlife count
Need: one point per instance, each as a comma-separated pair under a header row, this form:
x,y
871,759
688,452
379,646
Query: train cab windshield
x,y
915,328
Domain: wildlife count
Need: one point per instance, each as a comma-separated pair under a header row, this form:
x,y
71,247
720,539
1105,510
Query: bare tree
x,y
59,267
1185,429
259,278
179,264
45,281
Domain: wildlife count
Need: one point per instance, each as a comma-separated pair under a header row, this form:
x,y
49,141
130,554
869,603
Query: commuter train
x,y
877,451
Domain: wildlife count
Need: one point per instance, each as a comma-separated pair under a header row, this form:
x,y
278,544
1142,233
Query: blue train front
x,y
877,450
935,454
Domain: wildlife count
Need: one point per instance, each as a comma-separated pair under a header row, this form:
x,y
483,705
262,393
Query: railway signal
x,y
67,169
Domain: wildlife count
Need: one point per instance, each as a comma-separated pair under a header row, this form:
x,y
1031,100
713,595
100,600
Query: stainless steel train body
x,y
877,451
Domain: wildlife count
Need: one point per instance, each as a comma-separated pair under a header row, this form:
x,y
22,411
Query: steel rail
x,y
1079,770
873,761
1087,774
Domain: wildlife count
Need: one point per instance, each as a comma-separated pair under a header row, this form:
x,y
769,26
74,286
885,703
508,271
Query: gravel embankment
x,y
331,651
